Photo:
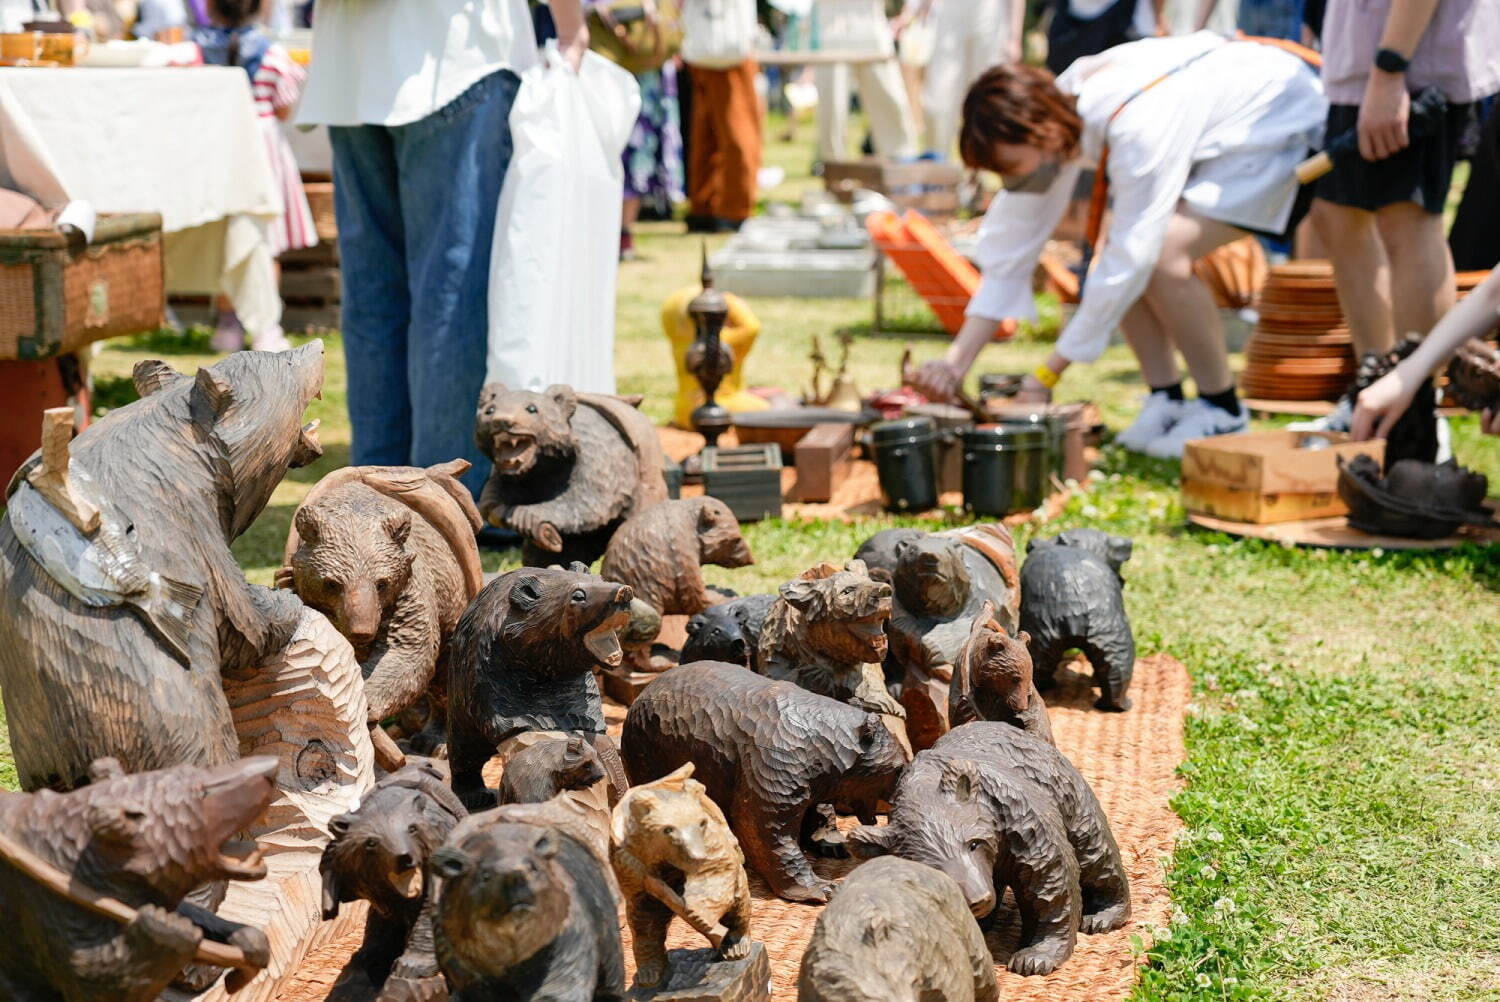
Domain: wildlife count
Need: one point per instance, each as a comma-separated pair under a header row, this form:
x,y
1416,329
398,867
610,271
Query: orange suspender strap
x,y
1100,193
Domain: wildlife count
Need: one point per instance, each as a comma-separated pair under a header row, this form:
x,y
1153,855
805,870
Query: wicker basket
x,y
54,301
320,200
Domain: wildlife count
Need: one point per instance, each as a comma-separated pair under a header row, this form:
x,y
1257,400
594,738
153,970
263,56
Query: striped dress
x,y
276,87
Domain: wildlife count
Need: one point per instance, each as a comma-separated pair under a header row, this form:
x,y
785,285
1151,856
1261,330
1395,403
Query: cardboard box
x,y
1263,477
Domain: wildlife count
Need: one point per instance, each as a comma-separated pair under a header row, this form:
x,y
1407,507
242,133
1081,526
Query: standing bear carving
x,y
523,659
826,633
992,681
114,643
897,931
1072,597
569,469
658,553
387,553
145,840
767,753
994,807
378,853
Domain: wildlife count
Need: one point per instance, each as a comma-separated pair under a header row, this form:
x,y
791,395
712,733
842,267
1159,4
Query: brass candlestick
x,y
708,358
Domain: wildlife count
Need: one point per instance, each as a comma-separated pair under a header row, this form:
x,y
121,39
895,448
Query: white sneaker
x,y
1341,418
1199,419
1158,414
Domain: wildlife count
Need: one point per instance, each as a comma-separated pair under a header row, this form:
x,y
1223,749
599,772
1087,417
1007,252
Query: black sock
x,y
1227,401
1173,392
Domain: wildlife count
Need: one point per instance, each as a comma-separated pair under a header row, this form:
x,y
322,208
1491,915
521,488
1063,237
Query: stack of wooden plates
x,y
1301,348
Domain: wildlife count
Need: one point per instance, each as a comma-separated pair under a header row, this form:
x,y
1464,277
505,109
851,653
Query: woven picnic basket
x,y
54,300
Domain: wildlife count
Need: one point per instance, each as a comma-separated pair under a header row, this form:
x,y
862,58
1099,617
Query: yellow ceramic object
x,y
740,331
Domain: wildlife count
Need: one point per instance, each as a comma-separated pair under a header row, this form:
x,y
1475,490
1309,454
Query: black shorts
x,y
1421,173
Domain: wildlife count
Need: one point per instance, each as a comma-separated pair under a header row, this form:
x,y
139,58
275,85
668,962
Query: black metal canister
x,y
1005,468
906,460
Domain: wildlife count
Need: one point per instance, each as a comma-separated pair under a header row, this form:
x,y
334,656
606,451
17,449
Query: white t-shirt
x,y
392,62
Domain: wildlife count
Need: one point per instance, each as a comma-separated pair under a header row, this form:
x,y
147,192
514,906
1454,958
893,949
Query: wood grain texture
x,y
658,553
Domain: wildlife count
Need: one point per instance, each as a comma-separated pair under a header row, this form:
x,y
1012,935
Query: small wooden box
x,y
927,186
747,478
1263,477
823,458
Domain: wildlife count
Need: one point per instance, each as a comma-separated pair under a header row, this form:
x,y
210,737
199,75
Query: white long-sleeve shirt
x,y
1223,135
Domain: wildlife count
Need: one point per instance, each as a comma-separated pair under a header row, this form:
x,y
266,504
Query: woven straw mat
x,y
1130,760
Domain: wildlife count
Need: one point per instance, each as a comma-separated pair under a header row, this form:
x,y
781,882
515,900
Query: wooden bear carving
x,y
767,753
379,853
539,772
523,659
658,553
1071,597
729,631
526,913
145,840
387,553
675,855
897,931
826,632
994,807
992,681
114,642
569,469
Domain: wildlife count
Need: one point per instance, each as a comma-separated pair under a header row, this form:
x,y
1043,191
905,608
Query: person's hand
x,y
1383,116
573,49
900,23
1033,391
1381,404
937,380
1013,51
1489,421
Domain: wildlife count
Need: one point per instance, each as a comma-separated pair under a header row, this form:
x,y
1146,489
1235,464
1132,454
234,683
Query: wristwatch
x,y
1391,61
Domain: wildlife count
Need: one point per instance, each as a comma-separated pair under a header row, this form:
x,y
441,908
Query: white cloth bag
x,y
717,34
557,231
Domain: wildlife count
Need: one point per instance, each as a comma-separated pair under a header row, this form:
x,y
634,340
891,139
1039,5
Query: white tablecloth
x,y
182,142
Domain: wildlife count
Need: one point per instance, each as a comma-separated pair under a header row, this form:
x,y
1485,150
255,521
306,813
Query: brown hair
x,y
1018,105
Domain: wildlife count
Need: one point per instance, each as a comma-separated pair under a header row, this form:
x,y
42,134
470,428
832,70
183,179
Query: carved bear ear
x,y
882,576
152,374
960,780
1024,638
450,863
869,841
564,397
801,594
870,728
878,930
578,567
693,626
106,768
526,593
694,787
857,567
574,750
212,394
546,845
643,803
338,825
1119,549
903,546
117,821
307,524
398,526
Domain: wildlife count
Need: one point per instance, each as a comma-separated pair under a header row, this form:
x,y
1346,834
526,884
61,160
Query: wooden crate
x,y
1263,477
823,457
929,187
747,478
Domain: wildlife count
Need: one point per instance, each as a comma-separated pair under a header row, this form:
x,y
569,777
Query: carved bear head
x,y
938,818
353,562
523,432
247,410
505,894
379,851
719,633
719,539
170,830
931,577
566,621
1113,550
541,771
1000,669
841,613
669,826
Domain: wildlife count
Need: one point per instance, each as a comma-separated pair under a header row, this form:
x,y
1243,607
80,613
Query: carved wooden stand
x,y
699,976
305,707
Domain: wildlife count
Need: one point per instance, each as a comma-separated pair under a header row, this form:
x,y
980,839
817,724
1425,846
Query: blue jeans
x,y
416,215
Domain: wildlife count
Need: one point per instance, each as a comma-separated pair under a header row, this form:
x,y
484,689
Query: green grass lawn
x,y
1342,789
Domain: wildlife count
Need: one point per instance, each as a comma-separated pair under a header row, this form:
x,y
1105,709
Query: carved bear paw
x,y
1113,705
814,894
1033,960
253,943
650,973
1104,920
399,988
735,948
165,930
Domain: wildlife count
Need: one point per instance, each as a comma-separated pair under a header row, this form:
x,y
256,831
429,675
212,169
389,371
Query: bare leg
x,y
1182,303
1151,345
1422,287
1361,271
